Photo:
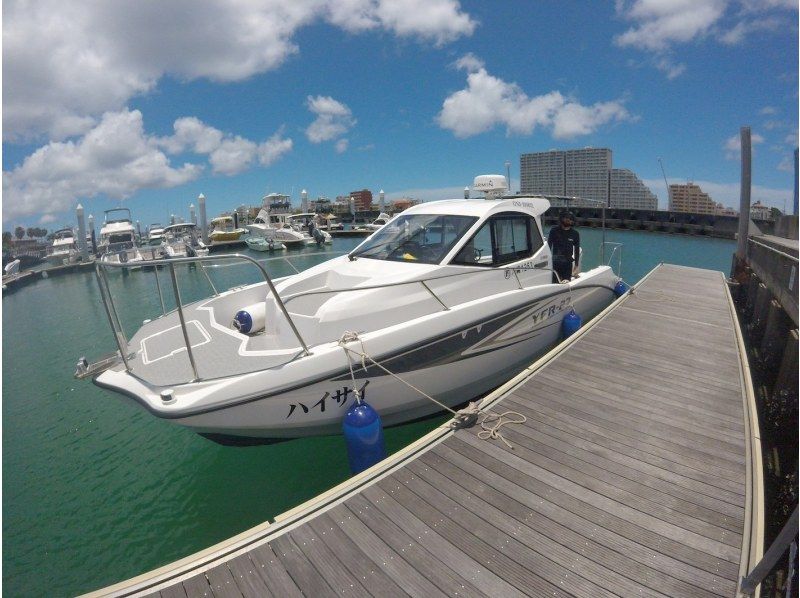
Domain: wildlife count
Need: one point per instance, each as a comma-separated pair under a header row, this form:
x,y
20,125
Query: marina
x,y
622,483
111,480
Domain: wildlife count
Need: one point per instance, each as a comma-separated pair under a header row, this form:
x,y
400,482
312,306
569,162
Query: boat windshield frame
x,y
406,238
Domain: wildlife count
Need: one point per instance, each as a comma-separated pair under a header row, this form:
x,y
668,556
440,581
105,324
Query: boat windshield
x,y
420,238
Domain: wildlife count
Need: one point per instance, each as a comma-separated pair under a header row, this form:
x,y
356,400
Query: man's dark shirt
x,y
564,243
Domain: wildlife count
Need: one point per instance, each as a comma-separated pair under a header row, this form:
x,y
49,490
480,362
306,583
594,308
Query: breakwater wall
x,y
724,227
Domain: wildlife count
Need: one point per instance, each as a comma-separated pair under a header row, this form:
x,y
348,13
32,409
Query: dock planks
x,y
628,479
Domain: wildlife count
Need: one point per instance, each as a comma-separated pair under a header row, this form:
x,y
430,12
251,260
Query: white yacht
x,y
118,238
273,222
183,240
64,249
376,224
454,297
309,225
155,234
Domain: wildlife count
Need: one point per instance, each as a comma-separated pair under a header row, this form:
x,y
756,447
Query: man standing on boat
x,y
565,243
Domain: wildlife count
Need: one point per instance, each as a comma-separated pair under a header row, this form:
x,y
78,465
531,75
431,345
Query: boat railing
x,y
170,263
616,249
209,262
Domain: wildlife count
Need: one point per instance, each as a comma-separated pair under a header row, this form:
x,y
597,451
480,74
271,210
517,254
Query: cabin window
x,y
419,238
503,239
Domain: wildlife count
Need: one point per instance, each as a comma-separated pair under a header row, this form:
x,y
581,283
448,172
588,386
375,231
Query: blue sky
x,y
149,104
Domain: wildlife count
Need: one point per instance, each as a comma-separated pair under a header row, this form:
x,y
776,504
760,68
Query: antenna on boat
x,y
493,186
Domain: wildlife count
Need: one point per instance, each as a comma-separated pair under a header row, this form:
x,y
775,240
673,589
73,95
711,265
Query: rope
x,y
463,418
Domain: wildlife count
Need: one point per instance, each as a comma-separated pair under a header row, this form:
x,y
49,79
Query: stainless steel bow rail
x,y
86,369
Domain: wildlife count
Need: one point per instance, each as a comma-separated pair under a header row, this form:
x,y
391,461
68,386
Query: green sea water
x,y
95,490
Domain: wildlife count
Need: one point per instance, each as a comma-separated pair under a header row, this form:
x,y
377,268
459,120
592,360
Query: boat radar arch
x,y
493,186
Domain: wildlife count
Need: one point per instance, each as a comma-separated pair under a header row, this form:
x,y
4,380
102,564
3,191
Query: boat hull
x,y
457,366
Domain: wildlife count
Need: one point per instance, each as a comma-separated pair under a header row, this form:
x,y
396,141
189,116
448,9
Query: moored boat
x,y
453,297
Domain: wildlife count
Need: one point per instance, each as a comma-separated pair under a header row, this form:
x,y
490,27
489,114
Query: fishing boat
x,y
118,238
453,297
223,228
64,248
331,222
263,244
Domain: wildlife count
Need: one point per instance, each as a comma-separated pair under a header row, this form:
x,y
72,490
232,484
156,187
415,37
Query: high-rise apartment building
x,y
579,173
584,174
628,192
690,198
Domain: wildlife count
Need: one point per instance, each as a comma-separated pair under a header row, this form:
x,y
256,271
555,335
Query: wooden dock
x,y
633,476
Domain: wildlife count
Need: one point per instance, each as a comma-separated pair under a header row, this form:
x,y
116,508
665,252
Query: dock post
x,y
381,201
82,234
750,295
192,215
744,203
304,201
201,202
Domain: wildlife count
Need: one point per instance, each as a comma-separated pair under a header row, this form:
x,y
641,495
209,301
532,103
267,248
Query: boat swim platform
x,y
634,475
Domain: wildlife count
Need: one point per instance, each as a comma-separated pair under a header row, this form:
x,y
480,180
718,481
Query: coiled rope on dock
x,y
467,417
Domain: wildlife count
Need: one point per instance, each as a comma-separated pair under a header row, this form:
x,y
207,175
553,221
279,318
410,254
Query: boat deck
x,y
627,479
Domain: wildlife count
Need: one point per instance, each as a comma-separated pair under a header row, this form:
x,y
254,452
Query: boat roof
x,y
180,225
482,207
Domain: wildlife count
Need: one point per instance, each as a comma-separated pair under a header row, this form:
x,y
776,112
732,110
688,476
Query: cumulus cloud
x,y
117,158
659,23
341,146
66,63
488,101
658,26
334,119
227,154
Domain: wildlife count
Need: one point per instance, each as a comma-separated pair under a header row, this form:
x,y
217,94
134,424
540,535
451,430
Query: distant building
x,y
580,173
690,198
628,192
398,205
726,211
759,211
363,200
321,205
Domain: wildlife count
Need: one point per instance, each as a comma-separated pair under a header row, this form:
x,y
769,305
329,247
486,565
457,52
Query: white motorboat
x,y
454,297
183,240
274,223
155,234
118,238
64,249
376,224
309,225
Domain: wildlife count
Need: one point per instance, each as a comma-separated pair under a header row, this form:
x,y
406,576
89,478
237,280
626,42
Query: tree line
x,y
19,233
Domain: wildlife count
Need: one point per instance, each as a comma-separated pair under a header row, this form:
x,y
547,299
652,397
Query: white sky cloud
x,y
334,119
658,26
489,101
117,158
341,146
67,63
